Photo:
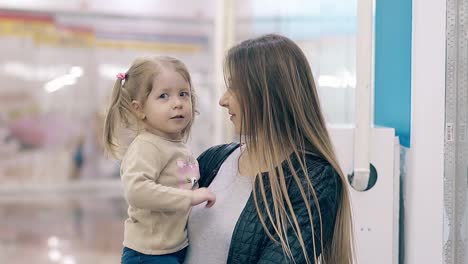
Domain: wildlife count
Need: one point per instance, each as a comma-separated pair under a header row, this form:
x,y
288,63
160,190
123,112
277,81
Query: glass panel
x,y
57,72
326,31
57,75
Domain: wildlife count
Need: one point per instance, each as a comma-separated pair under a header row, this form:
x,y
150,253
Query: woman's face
x,y
230,102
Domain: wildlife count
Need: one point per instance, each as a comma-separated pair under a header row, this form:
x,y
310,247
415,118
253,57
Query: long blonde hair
x,y
137,85
281,114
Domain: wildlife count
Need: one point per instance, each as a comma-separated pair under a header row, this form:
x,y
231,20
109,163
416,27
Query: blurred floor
x,y
65,231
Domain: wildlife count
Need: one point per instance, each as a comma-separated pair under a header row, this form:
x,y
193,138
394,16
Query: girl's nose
x,y
178,103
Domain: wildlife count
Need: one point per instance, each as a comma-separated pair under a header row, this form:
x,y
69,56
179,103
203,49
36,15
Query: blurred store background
x,y
60,197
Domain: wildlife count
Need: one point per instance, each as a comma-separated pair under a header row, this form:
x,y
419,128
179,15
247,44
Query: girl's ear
x,y
138,108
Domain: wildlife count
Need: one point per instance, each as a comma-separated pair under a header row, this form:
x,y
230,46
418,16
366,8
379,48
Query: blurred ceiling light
x,y
68,260
109,71
53,242
344,80
59,82
55,255
76,71
30,73
64,80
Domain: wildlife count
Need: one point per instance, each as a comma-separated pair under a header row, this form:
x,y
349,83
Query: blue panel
x,y
393,24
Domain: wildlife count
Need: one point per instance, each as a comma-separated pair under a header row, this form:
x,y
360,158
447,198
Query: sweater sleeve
x,y
140,171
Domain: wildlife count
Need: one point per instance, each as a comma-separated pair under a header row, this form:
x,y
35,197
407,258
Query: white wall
x,y
424,182
376,210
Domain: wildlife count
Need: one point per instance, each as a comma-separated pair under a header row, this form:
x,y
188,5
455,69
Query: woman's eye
x,y
164,96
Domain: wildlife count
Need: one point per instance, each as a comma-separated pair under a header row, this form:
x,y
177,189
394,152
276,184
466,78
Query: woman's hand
x,y
201,195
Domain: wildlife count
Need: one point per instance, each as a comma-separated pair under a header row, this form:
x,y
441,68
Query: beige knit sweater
x,y
158,176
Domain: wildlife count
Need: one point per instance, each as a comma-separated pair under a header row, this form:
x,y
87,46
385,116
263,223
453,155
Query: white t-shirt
x,y
210,229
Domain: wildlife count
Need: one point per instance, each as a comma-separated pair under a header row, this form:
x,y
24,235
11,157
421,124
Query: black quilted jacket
x,y
250,243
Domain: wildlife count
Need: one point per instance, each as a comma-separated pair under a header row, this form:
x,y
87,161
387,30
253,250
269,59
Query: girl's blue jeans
x,y
130,256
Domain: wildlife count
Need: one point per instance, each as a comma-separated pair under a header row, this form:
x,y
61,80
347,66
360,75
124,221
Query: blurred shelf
x,y
73,189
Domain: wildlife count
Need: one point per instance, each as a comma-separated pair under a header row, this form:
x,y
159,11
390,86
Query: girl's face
x,y
230,102
168,108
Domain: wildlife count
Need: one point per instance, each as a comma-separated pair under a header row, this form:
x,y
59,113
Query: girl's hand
x,y
203,195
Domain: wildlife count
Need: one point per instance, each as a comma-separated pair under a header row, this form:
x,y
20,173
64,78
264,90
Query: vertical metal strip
x,y
450,118
456,143
460,136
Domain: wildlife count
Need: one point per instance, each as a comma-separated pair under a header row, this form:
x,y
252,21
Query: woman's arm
x,y
325,181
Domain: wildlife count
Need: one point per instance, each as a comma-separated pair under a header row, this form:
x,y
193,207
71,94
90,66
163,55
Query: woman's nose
x,y
223,101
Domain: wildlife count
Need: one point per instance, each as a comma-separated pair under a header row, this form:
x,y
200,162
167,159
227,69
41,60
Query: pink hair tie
x,y
121,76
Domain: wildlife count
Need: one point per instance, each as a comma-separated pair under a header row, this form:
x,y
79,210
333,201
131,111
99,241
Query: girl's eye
x,y
184,94
164,96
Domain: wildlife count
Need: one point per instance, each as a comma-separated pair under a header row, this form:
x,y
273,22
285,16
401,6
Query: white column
x,y
424,182
224,39
363,91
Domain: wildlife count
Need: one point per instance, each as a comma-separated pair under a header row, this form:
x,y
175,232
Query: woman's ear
x,y
138,108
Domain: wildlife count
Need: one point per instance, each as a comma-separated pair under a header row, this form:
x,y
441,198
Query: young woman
x,y
281,195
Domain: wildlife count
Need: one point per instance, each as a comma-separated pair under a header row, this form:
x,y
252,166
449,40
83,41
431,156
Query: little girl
x,y
158,172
